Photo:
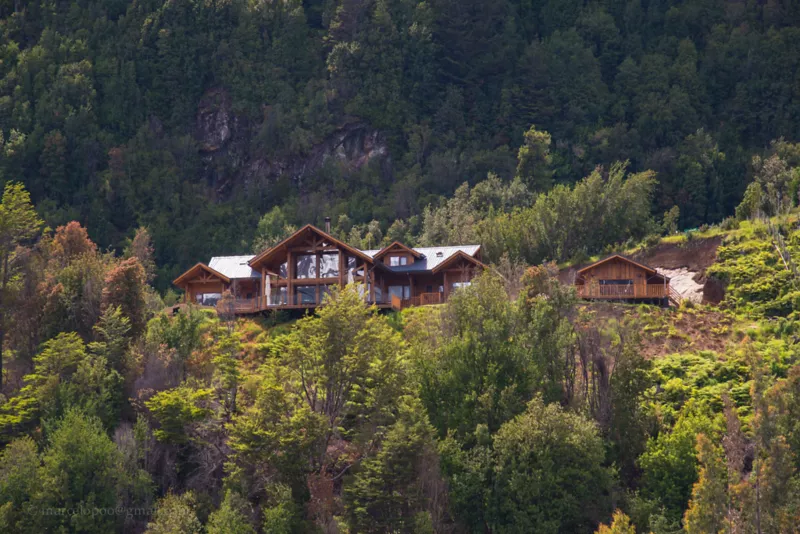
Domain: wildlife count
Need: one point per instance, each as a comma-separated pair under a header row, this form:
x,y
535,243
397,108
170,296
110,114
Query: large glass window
x,y
329,265
403,292
378,294
208,299
284,270
306,294
277,296
306,266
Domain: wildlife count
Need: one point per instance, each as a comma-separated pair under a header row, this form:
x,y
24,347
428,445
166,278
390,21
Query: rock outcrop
x,y
229,160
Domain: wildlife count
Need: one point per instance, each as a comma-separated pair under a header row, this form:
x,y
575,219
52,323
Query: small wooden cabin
x,y
619,278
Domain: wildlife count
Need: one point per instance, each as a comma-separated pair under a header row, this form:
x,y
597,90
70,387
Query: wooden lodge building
x,y
623,279
298,272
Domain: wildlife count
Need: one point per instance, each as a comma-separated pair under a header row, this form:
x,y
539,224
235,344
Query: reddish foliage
x,y
125,287
71,241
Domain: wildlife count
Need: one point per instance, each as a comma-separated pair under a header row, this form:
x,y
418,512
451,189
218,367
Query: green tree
x,y
112,340
621,524
19,225
226,368
230,517
271,229
19,482
64,377
534,160
176,410
349,360
81,470
549,473
479,373
175,514
670,220
708,507
386,492
669,462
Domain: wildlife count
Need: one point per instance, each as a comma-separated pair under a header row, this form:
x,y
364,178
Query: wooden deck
x,y
621,292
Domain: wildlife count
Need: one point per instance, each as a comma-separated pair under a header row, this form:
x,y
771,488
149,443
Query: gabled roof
x,y
234,266
650,270
454,257
197,269
431,257
397,244
270,252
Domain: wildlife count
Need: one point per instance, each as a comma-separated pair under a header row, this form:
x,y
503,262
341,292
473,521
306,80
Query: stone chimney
x,y
327,224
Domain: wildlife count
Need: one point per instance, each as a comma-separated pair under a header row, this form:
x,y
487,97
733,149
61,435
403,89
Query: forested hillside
x,y
513,407
195,117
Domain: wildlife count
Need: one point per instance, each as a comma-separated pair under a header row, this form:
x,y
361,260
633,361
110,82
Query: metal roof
x,y
238,266
234,266
433,256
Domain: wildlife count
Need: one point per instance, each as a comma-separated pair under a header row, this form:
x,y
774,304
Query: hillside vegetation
x,y
514,407
196,117
138,137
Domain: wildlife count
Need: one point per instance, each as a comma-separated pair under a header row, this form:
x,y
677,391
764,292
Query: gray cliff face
x,y
224,140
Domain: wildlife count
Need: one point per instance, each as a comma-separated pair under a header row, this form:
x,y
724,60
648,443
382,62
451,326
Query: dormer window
x,y
396,261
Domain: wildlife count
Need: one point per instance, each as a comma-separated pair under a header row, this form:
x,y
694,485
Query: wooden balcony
x,y
621,292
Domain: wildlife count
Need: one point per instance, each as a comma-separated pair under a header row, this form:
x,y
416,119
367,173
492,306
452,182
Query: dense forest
x,y
195,117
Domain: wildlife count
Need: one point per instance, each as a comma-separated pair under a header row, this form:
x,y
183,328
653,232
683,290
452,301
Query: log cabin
x,y
299,271
622,279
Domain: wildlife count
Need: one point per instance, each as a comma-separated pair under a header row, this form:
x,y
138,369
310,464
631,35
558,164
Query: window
x,y
329,265
208,299
403,292
305,295
306,266
459,285
277,296
284,270
324,290
396,261
616,282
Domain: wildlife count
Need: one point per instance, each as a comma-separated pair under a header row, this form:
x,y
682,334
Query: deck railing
x,y
631,291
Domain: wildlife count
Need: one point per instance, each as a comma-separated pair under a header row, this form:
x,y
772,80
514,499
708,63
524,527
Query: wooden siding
x,y
616,269
643,283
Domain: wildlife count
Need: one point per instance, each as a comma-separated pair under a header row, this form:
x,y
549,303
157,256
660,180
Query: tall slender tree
x,y
19,226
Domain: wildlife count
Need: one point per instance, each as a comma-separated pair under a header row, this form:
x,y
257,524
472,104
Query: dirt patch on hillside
x,y
695,255
668,330
685,282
